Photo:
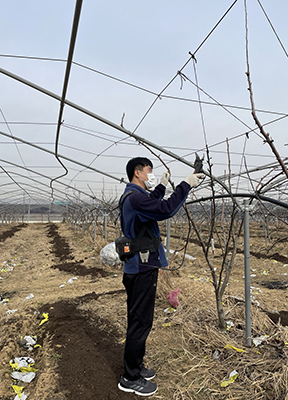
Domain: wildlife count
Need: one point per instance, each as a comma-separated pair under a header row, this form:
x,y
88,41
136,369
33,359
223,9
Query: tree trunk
x,y
220,312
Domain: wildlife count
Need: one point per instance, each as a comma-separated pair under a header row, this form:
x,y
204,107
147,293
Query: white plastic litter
x,y
30,342
23,361
23,396
109,256
11,311
190,257
30,296
174,252
72,279
258,340
26,377
169,310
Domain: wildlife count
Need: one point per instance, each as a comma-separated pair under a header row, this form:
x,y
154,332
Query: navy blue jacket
x,y
141,206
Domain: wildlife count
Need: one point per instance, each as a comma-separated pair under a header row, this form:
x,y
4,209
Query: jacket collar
x,y
135,188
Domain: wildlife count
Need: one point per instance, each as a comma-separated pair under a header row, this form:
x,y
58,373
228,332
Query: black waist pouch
x,y
127,248
124,248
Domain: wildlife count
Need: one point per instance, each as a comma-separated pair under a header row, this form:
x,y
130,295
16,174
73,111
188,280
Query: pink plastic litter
x,y
172,297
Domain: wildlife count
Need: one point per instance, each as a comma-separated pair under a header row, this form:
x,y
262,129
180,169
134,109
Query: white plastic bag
x,y
109,256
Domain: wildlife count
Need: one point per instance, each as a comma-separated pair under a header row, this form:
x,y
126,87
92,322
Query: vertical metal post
x,y
28,217
247,273
265,231
94,228
88,224
105,227
24,208
168,239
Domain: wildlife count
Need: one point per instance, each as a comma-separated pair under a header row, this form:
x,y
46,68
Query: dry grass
x,y
192,358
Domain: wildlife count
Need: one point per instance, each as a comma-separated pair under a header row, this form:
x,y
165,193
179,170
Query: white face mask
x,y
151,182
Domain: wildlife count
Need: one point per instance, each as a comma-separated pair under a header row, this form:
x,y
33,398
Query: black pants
x,y
141,292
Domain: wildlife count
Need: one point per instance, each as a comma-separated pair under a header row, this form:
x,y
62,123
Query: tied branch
x,y
267,138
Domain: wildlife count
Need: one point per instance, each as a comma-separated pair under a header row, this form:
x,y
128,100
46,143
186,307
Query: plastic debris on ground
x,y
72,279
175,252
6,269
19,390
23,396
229,346
21,362
44,318
232,377
109,256
11,311
216,355
172,297
191,258
26,377
169,310
260,339
30,296
255,288
230,324
255,302
167,324
22,369
28,342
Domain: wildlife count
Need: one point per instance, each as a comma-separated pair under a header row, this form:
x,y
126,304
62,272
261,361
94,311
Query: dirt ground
x,y
82,338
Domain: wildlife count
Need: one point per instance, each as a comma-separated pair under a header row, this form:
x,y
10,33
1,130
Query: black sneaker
x,y
141,386
147,373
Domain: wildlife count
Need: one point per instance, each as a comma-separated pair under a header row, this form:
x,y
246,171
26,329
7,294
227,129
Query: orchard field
x,y
56,289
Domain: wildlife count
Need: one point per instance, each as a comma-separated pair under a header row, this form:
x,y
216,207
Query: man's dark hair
x,y
137,163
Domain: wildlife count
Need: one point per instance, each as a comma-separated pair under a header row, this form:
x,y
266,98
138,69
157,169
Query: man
x,y
139,212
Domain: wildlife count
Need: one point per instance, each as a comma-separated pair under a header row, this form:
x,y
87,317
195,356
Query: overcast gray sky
x,y
143,44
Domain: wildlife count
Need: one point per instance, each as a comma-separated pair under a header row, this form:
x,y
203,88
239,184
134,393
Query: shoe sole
x,y
135,391
150,377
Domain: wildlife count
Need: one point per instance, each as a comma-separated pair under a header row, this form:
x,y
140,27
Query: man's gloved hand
x,y
165,178
193,179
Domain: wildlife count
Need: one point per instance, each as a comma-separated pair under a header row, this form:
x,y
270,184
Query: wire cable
x,y
192,56
273,29
132,85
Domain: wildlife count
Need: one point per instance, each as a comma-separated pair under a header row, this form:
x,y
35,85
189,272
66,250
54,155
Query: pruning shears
x,y
198,164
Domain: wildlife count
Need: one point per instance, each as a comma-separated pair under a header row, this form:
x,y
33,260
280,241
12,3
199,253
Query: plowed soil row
x,y
97,357
10,232
81,350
